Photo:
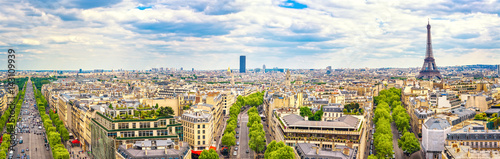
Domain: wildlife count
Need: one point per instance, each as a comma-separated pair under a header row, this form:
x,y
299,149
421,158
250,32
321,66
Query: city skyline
x,y
209,35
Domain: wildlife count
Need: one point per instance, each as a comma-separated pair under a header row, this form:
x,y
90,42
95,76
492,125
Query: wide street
x,y
395,136
243,147
28,118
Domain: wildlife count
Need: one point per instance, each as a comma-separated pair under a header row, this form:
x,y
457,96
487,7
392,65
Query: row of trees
x,y
54,134
229,138
6,138
305,111
256,131
382,118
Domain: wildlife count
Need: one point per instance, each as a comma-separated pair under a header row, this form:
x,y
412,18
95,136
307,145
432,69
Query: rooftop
x,y
294,120
437,123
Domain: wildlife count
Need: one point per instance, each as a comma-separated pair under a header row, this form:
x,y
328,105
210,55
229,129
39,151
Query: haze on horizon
x,y
208,34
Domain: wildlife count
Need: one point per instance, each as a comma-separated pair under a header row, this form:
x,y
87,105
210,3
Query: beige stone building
x,y
198,130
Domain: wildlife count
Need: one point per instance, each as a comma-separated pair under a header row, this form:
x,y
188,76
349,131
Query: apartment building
x,y
198,129
110,129
292,128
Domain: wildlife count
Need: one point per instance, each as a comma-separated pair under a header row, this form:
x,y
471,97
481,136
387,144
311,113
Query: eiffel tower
x,y
429,69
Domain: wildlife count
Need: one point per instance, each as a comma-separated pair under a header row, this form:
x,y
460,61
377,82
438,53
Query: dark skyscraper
x,y
242,64
429,69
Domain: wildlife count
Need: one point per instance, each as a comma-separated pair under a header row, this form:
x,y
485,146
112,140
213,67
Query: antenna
x,y
428,21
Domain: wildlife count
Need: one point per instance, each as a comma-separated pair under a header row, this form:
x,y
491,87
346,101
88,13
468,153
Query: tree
x,y
10,127
383,145
372,157
156,106
381,113
494,115
305,111
409,143
110,106
278,150
211,154
228,139
166,111
258,141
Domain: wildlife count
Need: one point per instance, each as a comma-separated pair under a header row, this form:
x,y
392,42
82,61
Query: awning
x,y
199,152
75,142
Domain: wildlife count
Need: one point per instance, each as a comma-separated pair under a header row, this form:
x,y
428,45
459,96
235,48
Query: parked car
x,y
22,151
238,143
237,132
248,151
235,153
236,148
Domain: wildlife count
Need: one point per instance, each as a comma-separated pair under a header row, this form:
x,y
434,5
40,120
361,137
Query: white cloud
x,y
374,33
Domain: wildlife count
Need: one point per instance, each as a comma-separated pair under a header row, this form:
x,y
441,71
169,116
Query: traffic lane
x,y
244,137
395,137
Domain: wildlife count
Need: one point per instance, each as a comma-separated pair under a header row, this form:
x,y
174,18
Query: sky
x,y
212,34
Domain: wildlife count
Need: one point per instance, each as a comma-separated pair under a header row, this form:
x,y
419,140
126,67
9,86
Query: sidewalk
x,y
78,153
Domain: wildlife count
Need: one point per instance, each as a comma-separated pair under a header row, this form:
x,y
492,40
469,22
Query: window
x,y
156,124
133,125
198,131
203,137
203,142
122,125
145,125
203,131
145,133
172,121
198,126
198,142
163,122
203,125
161,132
127,134
198,136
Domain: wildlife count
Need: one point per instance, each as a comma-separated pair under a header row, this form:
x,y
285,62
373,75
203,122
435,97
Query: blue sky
x,y
211,34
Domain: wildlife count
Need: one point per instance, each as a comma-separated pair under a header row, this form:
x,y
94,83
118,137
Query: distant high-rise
x,y
264,67
192,69
80,71
498,69
242,64
429,69
182,68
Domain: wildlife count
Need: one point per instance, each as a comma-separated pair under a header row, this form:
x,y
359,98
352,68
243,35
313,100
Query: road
x,y
395,137
243,147
35,143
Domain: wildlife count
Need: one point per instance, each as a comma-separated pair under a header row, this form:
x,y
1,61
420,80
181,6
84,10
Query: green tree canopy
x,y
409,143
211,154
228,139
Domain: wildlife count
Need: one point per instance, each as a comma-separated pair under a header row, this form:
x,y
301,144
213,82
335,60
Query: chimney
x,y
305,139
166,150
321,144
468,153
306,118
146,152
333,145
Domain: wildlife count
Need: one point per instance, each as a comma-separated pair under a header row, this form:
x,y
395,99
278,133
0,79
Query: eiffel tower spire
x,y
429,69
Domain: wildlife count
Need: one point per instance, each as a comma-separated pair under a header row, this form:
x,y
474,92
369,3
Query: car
x,y
238,126
21,141
238,143
22,151
236,148
237,132
237,136
27,149
39,127
248,151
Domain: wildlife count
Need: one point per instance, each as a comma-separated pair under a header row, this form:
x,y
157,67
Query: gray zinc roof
x,y
437,123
